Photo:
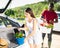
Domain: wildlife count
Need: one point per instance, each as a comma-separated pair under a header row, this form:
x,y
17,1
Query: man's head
x,y
51,6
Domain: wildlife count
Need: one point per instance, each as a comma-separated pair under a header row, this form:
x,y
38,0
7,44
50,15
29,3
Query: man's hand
x,y
56,20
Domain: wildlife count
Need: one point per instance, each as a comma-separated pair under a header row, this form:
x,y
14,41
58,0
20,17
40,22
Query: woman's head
x,y
29,13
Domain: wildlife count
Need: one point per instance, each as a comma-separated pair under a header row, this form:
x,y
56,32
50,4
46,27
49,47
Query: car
x,y
57,25
7,26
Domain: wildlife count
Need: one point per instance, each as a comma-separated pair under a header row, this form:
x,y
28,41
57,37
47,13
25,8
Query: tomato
x,y
42,24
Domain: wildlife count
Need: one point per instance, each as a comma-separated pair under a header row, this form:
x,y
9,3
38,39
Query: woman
x,y
34,36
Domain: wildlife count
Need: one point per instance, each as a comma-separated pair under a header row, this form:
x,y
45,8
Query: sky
x,y
16,3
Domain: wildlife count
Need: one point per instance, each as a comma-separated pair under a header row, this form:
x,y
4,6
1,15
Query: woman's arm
x,y
24,28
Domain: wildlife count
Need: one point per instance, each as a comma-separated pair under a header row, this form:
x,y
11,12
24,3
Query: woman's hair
x,y
29,10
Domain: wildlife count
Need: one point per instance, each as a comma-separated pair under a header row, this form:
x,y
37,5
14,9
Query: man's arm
x,y
56,18
43,15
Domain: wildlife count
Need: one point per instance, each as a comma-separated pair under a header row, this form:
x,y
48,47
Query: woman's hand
x,y
19,29
26,39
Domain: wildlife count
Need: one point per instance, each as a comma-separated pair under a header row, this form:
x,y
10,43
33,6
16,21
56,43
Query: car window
x,y
12,22
8,22
1,23
5,21
58,16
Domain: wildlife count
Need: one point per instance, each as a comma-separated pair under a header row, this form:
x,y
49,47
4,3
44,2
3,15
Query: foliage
x,y
57,7
37,8
9,12
19,11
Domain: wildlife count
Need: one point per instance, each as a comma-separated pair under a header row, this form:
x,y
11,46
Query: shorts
x,y
36,39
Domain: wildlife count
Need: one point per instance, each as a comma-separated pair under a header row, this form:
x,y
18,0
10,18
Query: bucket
x,y
20,41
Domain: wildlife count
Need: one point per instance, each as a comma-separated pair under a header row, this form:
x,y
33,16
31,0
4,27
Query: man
x,y
50,17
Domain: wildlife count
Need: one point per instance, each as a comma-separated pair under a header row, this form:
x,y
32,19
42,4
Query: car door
x,y
6,32
57,25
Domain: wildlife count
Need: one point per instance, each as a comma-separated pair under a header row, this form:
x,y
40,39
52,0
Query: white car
x,y
57,25
7,26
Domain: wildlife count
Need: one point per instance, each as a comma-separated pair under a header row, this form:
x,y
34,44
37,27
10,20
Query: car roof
x,y
3,15
57,11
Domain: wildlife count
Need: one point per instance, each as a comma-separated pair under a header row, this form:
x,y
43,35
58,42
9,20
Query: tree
x,y
55,1
9,12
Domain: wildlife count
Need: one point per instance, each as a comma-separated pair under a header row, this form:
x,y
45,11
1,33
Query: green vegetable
x,y
49,26
19,35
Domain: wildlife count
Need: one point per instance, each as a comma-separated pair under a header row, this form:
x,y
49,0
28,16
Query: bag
x,y
3,43
45,29
42,27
